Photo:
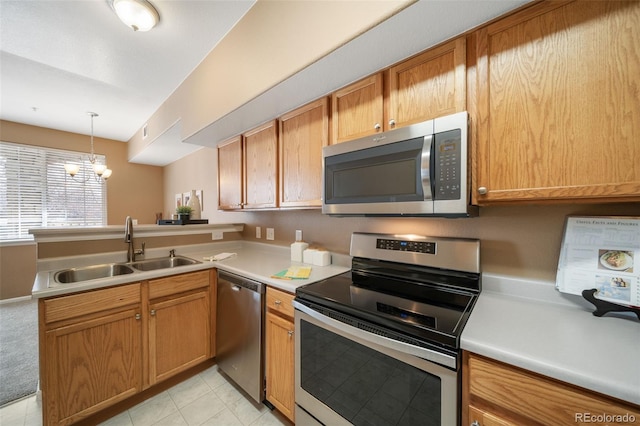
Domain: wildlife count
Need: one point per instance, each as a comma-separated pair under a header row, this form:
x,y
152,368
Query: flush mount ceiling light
x,y
101,172
137,14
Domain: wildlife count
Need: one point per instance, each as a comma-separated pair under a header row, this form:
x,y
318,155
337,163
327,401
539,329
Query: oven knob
x,y
482,190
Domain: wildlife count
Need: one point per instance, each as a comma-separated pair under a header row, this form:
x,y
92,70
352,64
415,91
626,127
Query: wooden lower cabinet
x,y
100,347
279,352
179,325
499,394
478,417
91,352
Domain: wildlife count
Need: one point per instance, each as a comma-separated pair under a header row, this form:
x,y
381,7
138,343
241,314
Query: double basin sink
x,y
74,275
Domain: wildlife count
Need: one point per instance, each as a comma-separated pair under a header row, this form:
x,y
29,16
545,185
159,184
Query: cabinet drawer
x,y
527,395
76,305
177,284
280,301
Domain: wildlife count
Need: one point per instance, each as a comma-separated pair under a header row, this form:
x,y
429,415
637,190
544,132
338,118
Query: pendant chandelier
x,y
100,171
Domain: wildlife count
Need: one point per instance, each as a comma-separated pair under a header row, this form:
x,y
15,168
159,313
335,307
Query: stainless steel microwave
x,y
418,170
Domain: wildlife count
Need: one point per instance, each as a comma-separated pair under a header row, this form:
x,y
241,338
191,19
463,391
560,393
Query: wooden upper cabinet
x,y
230,174
260,166
428,86
303,133
558,104
357,110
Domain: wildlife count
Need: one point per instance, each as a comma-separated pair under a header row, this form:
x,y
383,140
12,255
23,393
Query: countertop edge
x,y
258,261
513,329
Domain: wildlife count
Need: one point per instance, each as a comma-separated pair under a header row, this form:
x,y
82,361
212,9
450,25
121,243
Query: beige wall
x,y
17,270
133,189
522,241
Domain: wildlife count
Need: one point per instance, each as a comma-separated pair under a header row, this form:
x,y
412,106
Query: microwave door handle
x,y
426,168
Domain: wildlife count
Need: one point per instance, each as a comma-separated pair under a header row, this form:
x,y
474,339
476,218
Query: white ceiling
x,y
60,59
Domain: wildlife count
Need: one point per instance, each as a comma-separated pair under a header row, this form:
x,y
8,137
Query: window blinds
x,y
35,191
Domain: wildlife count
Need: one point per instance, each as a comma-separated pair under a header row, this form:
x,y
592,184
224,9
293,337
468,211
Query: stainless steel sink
x,y
74,275
163,263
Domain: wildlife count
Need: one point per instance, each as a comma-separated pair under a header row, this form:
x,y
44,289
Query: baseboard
x,y
15,300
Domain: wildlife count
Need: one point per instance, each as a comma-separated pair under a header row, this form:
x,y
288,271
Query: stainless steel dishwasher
x,y
239,335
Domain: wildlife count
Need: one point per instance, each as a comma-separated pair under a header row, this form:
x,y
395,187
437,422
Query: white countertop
x,y
252,260
522,323
533,326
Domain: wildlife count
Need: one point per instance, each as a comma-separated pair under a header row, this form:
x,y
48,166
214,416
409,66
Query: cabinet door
x,y
558,103
479,417
279,359
261,167
303,133
428,86
179,334
230,174
90,365
357,110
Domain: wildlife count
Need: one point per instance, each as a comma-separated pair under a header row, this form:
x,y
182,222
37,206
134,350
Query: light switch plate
x,y
258,232
270,234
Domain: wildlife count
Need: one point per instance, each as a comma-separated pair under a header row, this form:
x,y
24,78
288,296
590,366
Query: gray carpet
x,y
18,350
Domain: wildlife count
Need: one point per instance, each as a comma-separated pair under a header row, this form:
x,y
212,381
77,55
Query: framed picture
x,y
178,202
185,198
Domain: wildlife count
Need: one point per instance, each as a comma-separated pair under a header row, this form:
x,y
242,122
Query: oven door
x,y
345,375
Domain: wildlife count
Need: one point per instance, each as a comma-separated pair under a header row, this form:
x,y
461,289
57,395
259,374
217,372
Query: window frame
x,y
33,181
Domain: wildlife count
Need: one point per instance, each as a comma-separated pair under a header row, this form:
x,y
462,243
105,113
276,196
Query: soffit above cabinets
x,y
414,29
166,148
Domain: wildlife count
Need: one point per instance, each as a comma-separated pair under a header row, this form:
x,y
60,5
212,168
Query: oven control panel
x,y
403,245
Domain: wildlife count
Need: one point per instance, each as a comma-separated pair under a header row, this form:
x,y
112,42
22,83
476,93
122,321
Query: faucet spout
x,y
128,238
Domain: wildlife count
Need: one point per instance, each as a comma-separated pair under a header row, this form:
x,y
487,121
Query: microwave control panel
x,y
447,165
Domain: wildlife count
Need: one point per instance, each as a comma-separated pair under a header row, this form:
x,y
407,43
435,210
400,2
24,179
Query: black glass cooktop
x,y
427,304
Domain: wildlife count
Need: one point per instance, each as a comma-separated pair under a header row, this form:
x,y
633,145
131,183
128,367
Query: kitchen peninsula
x,y
140,316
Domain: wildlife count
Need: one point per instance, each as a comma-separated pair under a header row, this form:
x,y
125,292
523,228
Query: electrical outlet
x,y
217,235
258,232
271,234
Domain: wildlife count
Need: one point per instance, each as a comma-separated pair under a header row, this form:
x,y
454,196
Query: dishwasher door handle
x,y
235,288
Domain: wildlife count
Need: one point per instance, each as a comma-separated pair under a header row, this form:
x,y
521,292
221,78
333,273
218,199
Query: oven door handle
x,y
424,353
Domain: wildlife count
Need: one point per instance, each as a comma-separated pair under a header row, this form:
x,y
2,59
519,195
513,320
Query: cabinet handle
x,y
475,423
277,302
392,123
377,127
290,333
482,190
153,312
138,316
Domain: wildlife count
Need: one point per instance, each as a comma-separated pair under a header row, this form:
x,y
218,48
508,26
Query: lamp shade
x,y
137,14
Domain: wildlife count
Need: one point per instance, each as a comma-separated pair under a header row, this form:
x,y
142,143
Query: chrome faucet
x,y
128,238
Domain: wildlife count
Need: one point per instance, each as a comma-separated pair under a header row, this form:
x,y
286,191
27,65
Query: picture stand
x,y
603,307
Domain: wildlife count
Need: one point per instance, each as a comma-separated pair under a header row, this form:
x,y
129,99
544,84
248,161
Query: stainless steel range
x,y
381,343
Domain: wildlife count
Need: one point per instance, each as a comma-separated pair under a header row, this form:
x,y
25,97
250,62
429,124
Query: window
x,y
36,191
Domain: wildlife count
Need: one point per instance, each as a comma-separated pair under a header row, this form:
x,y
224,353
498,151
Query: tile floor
x,y
207,398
